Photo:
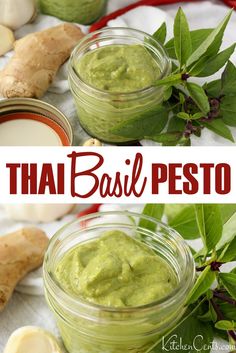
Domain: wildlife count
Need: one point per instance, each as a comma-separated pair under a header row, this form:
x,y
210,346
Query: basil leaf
x,y
150,122
213,313
168,93
197,37
198,66
203,283
214,64
191,336
220,128
229,79
213,88
175,124
229,252
197,116
183,115
185,223
226,325
229,232
211,45
209,224
153,210
210,315
182,38
228,110
228,310
167,137
169,80
199,96
227,211
172,210
229,282
160,34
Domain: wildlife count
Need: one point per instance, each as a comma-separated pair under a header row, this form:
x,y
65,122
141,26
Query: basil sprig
x,y
212,105
211,304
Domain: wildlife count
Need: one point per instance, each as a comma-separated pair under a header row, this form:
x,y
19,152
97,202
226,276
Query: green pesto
x,y
79,11
115,271
119,68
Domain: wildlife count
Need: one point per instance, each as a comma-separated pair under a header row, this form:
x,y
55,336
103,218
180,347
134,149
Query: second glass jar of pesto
x,y
79,11
131,61
87,327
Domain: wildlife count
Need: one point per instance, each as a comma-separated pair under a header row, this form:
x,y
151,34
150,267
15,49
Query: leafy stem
x,y
210,106
211,303
220,317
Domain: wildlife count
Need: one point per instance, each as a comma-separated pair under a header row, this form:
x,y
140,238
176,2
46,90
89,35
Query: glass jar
x,y
101,111
78,11
91,328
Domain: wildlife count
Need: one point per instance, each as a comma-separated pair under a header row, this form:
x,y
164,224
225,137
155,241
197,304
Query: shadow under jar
x,y
101,110
86,327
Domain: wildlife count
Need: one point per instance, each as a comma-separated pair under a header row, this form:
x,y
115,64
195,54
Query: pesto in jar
x,y
119,68
115,271
78,11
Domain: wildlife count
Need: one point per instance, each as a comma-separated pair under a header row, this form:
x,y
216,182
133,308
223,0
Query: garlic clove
x,y
30,339
16,13
7,40
92,142
38,213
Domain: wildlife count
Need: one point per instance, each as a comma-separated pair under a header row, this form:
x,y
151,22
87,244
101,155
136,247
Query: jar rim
x,y
76,78
182,289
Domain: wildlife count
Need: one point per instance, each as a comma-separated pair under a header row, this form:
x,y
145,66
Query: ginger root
x,y
36,60
20,253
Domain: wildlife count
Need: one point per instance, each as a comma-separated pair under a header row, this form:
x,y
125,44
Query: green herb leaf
x,y
168,137
212,43
229,79
182,38
202,285
226,325
185,223
197,116
149,123
213,88
228,310
169,80
199,96
153,210
175,124
214,64
229,252
168,93
227,211
197,37
198,66
190,336
210,224
213,313
183,115
160,34
229,282
228,110
233,270
229,231
219,127
210,315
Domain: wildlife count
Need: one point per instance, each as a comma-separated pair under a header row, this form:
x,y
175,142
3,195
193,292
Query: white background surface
x,y
32,310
